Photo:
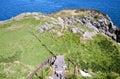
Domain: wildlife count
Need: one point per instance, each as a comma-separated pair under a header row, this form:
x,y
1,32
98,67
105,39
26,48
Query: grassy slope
x,y
100,56
20,41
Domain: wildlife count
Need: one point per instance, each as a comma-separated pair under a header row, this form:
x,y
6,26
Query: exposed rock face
x,y
91,19
117,32
67,19
89,35
75,30
103,23
45,27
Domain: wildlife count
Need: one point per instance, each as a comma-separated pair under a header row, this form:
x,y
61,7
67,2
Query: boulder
x,y
89,35
75,30
61,23
28,14
59,33
85,74
45,27
40,30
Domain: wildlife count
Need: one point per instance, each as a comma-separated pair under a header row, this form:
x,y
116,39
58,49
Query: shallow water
x,y
11,8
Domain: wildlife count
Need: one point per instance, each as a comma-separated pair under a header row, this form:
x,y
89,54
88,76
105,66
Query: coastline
x,y
86,36
89,18
22,15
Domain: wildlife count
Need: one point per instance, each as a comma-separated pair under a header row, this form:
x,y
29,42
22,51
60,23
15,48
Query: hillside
x,y
88,37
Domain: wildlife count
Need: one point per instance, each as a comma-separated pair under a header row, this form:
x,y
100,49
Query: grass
x,y
18,44
21,41
99,56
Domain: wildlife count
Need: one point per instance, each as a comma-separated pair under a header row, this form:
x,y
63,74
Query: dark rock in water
x,y
117,32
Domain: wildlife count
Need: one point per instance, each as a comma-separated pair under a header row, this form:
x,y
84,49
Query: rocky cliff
x,y
91,19
72,19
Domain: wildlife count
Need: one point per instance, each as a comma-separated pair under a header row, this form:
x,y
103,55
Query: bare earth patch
x,y
13,27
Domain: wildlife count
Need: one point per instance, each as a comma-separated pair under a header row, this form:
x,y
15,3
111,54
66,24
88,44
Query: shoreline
x,y
66,11
89,17
53,13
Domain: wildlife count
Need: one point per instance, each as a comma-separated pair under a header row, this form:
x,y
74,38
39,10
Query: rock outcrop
x,y
103,23
93,19
72,19
117,32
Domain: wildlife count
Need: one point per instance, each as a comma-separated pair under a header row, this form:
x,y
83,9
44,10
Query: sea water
x,y
11,8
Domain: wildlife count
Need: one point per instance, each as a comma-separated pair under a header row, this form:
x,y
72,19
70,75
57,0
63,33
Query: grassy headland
x,y
21,52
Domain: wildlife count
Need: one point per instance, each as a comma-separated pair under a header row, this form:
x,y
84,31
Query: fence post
x,y
42,74
76,70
